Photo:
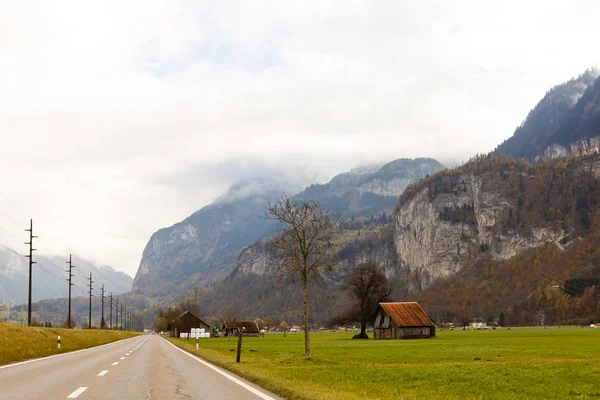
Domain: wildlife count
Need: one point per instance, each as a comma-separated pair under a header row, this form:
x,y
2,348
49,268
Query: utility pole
x,y
31,262
110,318
117,313
90,313
71,266
102,322
125,315
121,315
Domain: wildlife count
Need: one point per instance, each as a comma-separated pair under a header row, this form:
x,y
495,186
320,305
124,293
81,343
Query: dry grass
x,y
19,343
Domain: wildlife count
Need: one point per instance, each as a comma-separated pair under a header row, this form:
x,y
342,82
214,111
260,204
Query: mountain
x,y
371,190
565,122
202,250
184,254
49,277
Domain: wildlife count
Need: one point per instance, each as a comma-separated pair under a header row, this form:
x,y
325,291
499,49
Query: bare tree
x,y
304,246
189,305
369,285
228,314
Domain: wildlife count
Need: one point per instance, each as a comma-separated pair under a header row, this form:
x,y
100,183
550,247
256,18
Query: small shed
x,y
249,327
406,320
186,322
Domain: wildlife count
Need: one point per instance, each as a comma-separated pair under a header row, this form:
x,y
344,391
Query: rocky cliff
x,y
495,208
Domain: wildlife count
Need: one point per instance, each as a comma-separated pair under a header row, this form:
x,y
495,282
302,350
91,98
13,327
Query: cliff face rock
x,y
582,147
257,260
393,187
433,248
372,190
498,212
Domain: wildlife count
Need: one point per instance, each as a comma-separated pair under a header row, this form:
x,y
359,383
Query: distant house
x,y
248,327
185,323
478,326
295,328
402,321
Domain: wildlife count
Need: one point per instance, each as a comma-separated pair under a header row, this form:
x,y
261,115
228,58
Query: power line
x,y
50,272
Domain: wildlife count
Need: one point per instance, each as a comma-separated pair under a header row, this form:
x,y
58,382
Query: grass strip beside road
x,y
19,343
525,363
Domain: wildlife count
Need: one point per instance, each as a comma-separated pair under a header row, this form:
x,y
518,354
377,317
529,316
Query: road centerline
x,y
115,363
103,372
77,392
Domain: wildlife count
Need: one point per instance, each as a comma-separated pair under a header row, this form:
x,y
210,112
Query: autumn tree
x,y
269,322
304,247
284,327
160,324
369,285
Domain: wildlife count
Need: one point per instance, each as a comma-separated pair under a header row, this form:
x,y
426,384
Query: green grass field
x,y
502,364
19,343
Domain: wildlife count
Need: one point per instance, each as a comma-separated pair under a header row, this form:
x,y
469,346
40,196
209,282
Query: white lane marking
x,y
77,392
63,354
103,372
122,358
225,374
115,363
127,354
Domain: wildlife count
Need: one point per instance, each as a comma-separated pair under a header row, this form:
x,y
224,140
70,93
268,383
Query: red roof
x,y
407,314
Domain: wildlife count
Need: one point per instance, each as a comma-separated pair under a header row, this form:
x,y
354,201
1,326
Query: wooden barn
x,y
402,321
249,327
185,323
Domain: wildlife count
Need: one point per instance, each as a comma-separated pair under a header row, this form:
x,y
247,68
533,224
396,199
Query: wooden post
x,y
239,348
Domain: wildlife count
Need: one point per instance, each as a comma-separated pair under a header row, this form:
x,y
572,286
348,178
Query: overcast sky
x,y
118,118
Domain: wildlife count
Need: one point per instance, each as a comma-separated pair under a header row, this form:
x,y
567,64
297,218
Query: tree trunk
x,y
363,329
306,338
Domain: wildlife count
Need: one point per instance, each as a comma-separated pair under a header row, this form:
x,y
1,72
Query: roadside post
x,y
197,342
58,343
239,348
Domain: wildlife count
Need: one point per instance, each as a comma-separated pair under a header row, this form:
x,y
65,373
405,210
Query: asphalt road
x,y
146,367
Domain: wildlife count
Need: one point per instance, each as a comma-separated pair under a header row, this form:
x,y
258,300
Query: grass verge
x,y
503,364
18,343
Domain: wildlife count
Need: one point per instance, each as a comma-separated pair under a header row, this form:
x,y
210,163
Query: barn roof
x,y
192,315
407,314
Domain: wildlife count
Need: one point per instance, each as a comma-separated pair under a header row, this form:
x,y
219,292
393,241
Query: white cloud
x,y
101,101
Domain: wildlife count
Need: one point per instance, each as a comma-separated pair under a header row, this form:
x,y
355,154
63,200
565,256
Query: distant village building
x,y
185,323
478,326
402,321
248,327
